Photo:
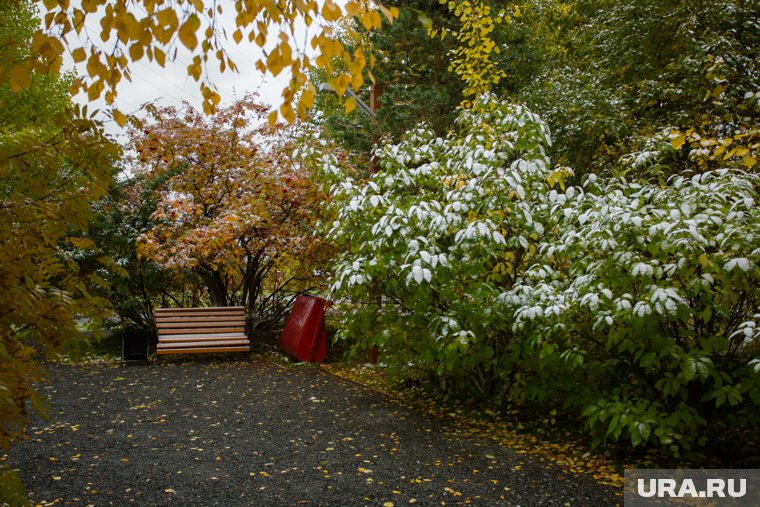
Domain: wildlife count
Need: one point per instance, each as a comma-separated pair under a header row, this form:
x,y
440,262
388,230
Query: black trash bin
x,y
134,344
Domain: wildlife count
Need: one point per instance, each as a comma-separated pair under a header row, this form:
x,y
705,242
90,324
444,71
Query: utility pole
x,y
373,354
374,105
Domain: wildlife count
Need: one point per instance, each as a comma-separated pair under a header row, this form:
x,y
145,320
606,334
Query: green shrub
x,y
652,312
433,239
634,304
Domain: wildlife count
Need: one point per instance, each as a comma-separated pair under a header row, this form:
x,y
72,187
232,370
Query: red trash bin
x,y
305,336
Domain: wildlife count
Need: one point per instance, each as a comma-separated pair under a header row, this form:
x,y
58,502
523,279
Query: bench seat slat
x,y
199,318
202,310
201,337
196,330
197,315
234,311
176,325
203,350
201,343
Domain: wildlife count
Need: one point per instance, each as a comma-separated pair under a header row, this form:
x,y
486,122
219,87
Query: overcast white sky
x,y
170,85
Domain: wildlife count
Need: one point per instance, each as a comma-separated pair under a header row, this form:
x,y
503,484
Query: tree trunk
x,y
217,290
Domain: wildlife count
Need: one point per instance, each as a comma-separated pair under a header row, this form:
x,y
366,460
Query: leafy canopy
x,y
412,72
152,29
138,286
642,86
53,165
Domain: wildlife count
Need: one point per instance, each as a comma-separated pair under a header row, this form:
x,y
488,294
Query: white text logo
x,y
714,488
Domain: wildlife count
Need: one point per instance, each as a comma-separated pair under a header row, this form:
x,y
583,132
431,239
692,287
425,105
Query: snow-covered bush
x,y
436,237
654,311
634,304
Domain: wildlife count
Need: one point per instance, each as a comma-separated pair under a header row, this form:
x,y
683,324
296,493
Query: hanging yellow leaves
x,y
710,151
119,117
79,55
350,104
133,30
187,31
19,78
473,59
330,11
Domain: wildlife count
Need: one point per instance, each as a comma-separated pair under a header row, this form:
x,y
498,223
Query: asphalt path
x,y
214,432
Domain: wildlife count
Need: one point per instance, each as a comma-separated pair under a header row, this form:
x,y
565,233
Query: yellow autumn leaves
x,y
187,31
740,149
154,29
473,60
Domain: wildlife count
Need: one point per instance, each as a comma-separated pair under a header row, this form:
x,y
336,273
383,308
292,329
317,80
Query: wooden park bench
x,y
196,330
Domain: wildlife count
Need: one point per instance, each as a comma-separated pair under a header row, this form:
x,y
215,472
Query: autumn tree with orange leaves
x,y
236,208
